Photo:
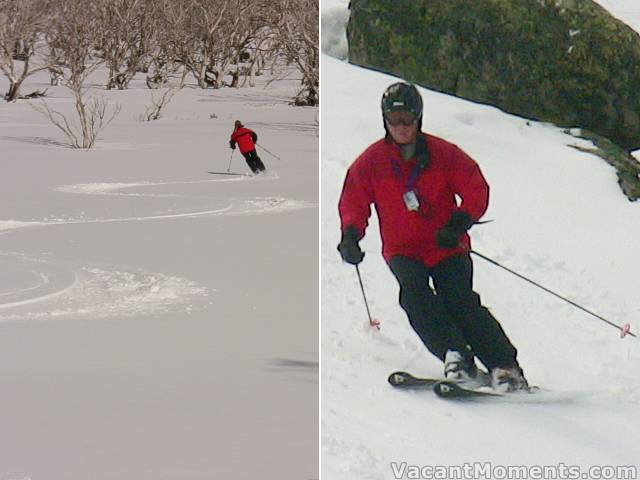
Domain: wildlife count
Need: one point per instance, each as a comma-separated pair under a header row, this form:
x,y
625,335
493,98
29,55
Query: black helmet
x,y
402,96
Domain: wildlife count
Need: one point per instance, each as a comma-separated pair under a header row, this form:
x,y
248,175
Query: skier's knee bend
x,y
414,298
467,302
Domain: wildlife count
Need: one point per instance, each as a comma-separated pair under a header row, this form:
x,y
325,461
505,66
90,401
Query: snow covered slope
x,y
158,321
626,10
559,218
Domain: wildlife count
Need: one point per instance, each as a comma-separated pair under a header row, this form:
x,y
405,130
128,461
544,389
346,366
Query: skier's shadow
x,y
295,364
300,369
36,140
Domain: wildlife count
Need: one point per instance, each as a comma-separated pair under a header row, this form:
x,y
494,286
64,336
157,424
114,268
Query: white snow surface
x,y
558,217
626,10
157,320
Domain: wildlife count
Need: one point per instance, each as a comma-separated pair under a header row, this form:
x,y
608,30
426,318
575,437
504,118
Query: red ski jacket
x,y
245,138
380,176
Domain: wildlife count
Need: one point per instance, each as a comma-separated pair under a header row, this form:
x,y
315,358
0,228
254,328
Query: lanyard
x,y
413,178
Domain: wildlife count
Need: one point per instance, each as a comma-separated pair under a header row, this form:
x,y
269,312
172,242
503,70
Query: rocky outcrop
x,y
563,61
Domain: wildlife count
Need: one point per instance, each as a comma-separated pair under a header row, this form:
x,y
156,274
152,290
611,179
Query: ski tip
x,y
399,378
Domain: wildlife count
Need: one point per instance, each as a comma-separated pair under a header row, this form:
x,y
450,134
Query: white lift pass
x,y
411,201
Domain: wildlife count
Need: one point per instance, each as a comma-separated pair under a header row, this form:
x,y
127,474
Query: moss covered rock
x,y
627,167
563,61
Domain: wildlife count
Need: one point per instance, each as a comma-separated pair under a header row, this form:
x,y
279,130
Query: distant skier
x,y
246,140
412,179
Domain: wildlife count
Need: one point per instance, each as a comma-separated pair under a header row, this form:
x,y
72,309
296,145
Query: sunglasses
x,y
400,118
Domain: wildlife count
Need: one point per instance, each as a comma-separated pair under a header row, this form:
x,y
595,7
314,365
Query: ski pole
x,y
372,322
272,154
230,160
624,330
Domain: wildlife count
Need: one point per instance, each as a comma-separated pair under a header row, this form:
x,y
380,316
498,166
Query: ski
x,y
230,173
446,389
407,381
453,390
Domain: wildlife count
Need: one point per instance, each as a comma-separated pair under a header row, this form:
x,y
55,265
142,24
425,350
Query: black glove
x,y
449,235
348,246
232,144
254,136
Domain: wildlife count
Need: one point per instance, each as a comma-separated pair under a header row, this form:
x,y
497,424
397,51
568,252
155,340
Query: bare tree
x,y
161,100
22,24
218,39
256,51
212,39
193,27
209,36
95,115
162,60
126,28
236,33
72,36
296,28
161,68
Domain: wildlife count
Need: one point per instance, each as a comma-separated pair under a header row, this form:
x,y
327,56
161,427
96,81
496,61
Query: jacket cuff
x,y
461,220
351,233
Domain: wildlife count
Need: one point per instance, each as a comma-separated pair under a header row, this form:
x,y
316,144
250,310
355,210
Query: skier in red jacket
x,y
246,140
413,179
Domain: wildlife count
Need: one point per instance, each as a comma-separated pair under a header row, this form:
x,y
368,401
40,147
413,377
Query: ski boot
x,y
508,379
459,369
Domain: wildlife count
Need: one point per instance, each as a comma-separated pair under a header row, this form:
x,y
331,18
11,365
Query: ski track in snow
x,y
64,291
114,188
91,292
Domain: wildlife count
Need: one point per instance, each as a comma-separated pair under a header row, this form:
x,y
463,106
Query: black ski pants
x,y
254,162
449,315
